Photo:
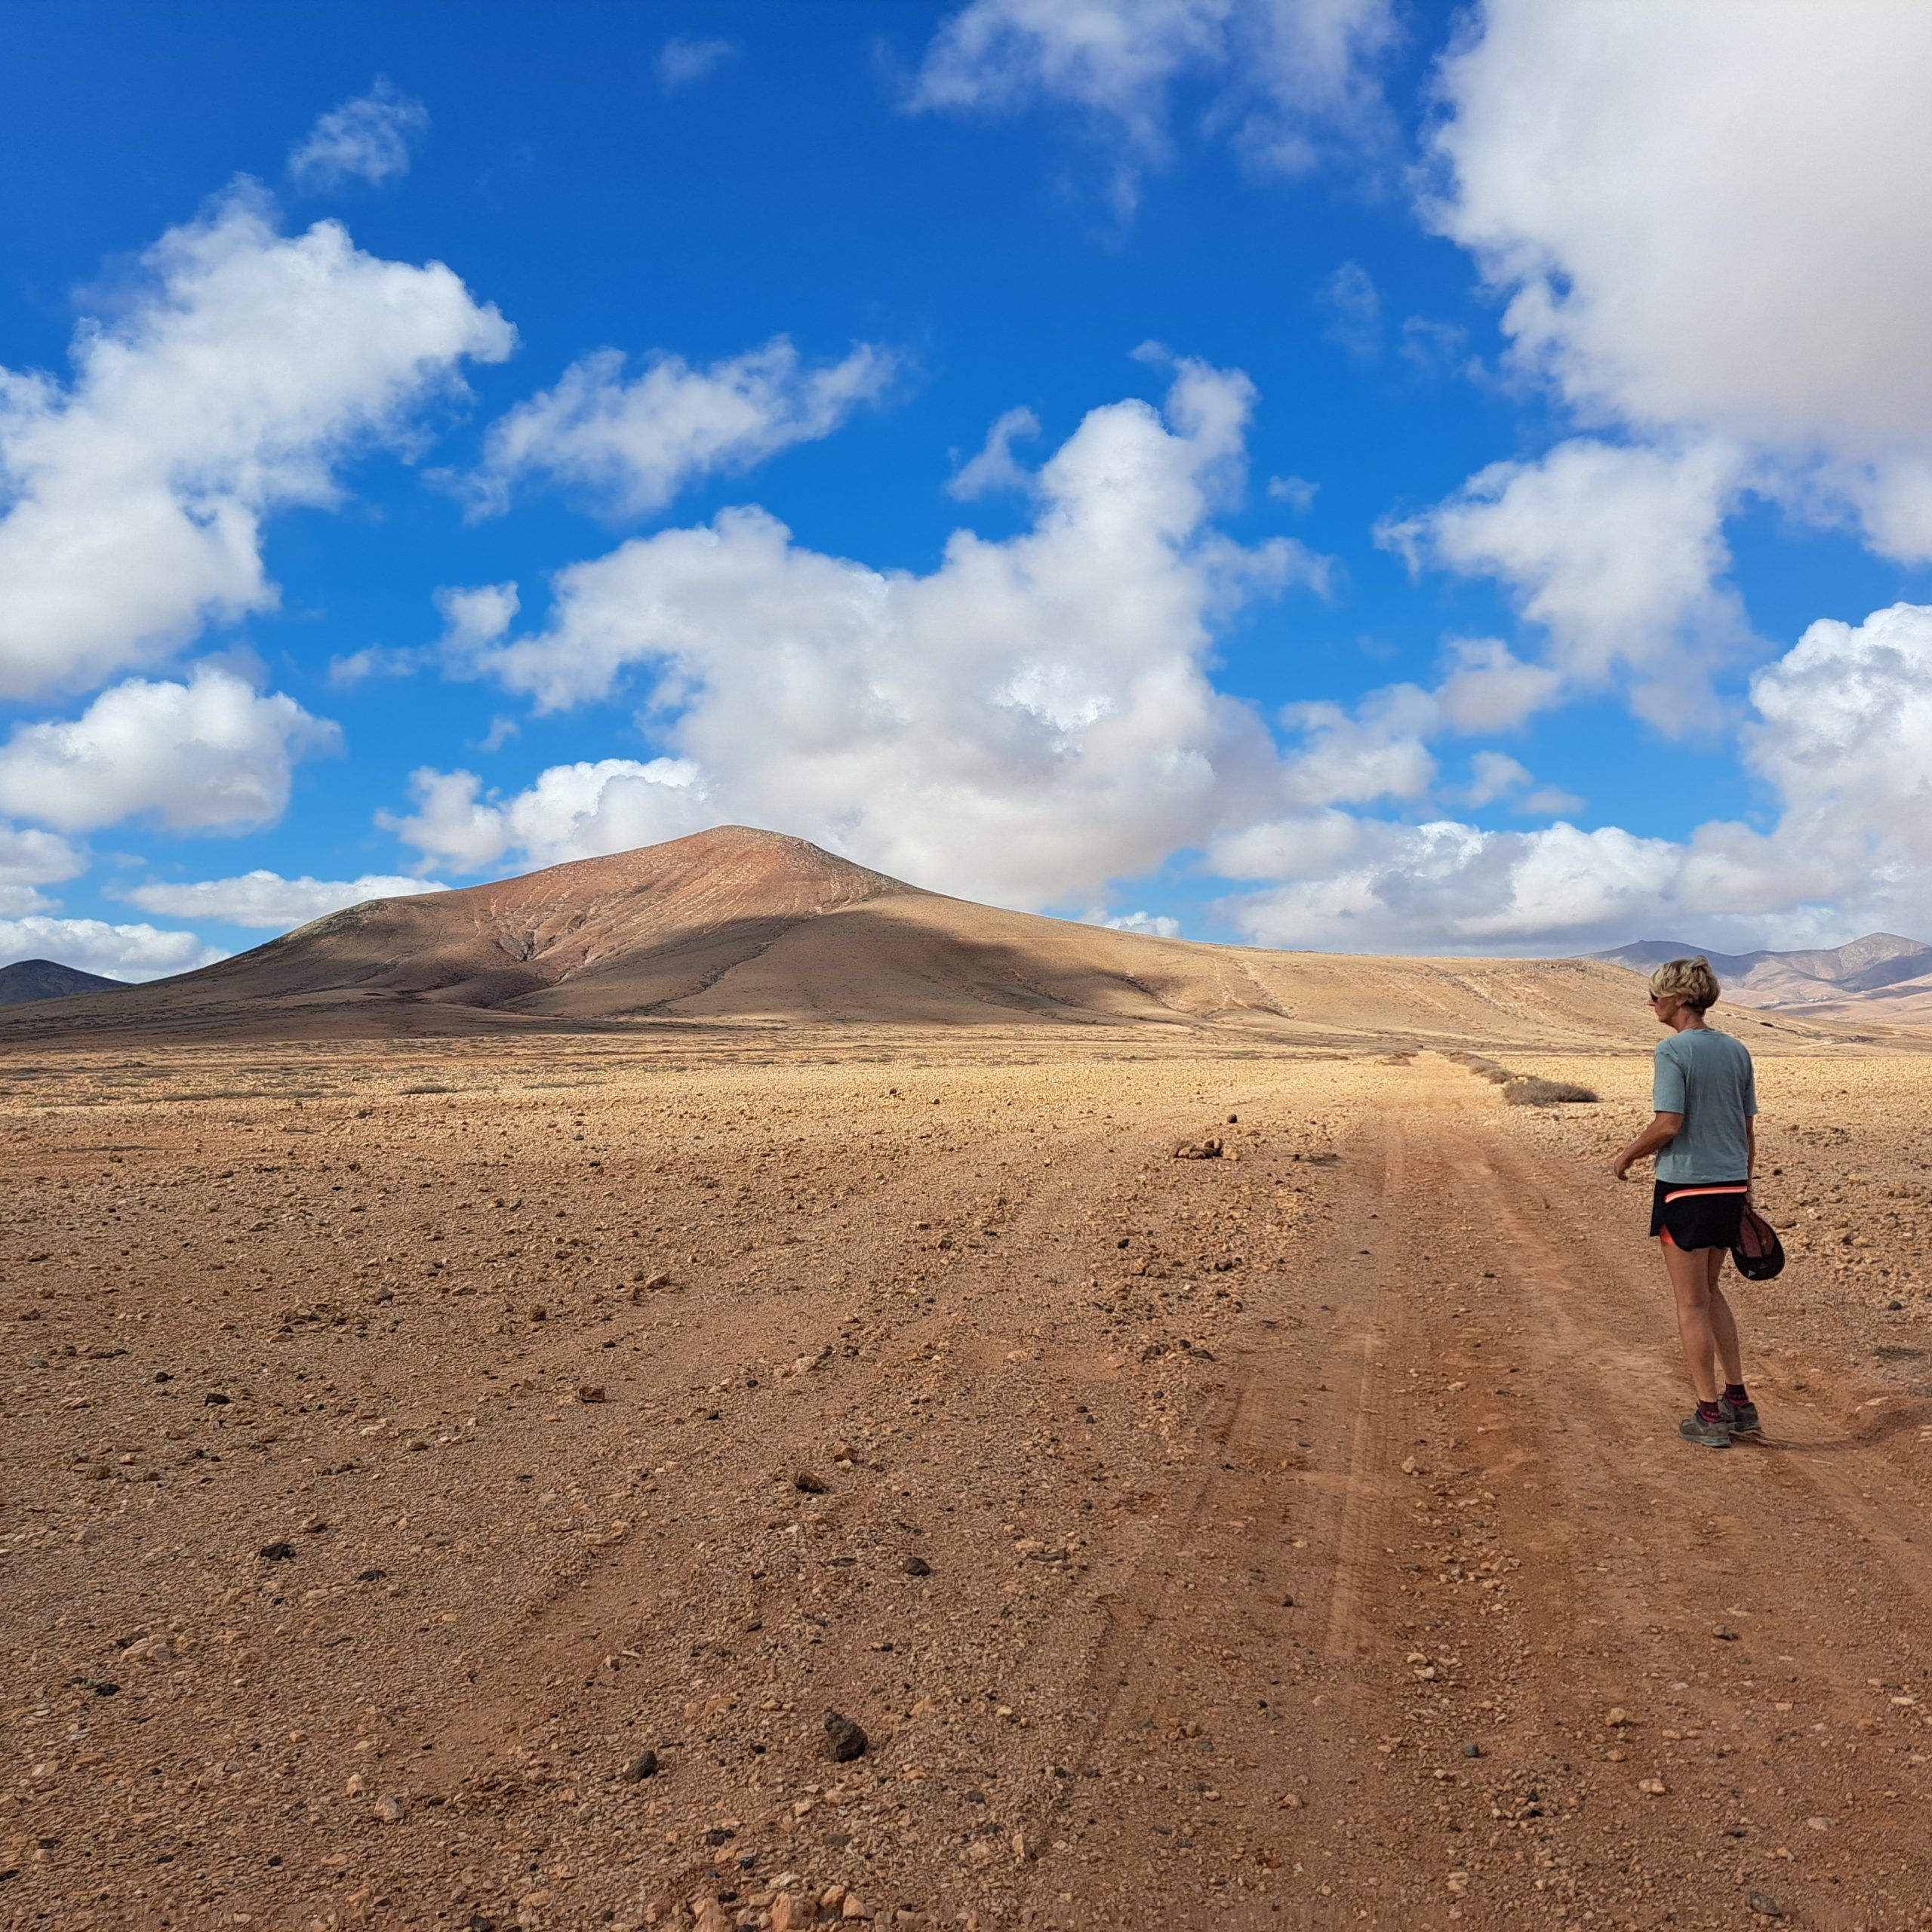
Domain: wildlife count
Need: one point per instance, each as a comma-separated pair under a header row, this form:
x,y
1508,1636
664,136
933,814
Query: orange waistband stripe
x,y
1687,1193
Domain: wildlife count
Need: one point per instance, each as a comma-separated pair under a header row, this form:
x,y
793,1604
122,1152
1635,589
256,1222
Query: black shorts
x,y
1699,1213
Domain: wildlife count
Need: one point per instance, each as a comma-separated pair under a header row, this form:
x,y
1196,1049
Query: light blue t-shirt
x,y
1706,1077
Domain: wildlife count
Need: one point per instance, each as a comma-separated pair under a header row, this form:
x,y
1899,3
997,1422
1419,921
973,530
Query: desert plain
x,y
450,1483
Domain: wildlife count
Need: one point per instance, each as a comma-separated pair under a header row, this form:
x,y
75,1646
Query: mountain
x,y
739,929
29,980
1839,976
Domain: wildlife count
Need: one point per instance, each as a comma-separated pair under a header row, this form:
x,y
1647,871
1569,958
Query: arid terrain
x,y
450,1482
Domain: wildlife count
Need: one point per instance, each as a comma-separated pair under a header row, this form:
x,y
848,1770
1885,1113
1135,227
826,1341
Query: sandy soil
x,y
407,1439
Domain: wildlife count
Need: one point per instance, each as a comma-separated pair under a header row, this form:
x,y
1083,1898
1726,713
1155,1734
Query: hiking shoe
x,y
1740,1418
1706,1434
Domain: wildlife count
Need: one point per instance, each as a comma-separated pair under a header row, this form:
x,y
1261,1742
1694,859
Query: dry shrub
x,y
1531,1090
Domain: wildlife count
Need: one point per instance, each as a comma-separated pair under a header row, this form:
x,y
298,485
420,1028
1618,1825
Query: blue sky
x,y
401,430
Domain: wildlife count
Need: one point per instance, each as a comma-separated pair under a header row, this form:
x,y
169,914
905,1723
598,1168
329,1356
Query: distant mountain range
x,y
27,979
1881,974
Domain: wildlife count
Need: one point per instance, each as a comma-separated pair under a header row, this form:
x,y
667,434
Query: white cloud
x,y
680,60
1493,775
1490,689
1548,802
572,811
1032,718
1376,752
29,861
265,900
1290,79
994,467
366,139
1614,549
1841,731
250,364
1297,492
1156,925
210,754
1349,300
1707,222
371,662
635,444
120,952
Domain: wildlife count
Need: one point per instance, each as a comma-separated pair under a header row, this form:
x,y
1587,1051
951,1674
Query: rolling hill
x,y
27,980
736,927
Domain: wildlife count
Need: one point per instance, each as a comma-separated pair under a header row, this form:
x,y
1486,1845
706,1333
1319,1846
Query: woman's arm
x,y
1750,1146
1663,1129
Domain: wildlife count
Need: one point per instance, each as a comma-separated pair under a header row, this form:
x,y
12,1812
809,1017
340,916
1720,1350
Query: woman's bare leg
x,y
1691,1283
1723,1323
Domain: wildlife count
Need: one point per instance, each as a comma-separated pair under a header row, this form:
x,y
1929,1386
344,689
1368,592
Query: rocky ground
x,y
507,1483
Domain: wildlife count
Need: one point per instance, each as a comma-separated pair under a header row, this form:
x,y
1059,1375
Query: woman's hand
x,y
1620,1166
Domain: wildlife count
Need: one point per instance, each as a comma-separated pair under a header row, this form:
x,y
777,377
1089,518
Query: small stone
x,y
1208,1147
787,1914
1618,1718
389,1810
1819,1824
277,1552
917,1566
844,1739
215,1398
810,1485
1724,1634
852,1908
1763,1905
1651,1787
590,1392
644,1765
1472,1750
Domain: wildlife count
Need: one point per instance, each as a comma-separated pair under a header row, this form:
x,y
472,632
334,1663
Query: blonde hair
x,y
1691,980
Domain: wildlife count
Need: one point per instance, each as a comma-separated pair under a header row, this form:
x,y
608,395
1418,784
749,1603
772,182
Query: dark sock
x,y
1707,1412
1734,1393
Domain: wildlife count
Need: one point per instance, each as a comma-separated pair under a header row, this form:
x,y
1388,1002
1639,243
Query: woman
x,y
1704,1138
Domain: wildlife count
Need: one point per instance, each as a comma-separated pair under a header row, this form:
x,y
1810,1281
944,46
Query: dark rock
x,y
370,1576
640,1767
810,1485
844,1739
917,1566
277,1552
1208,1147
1472,1750
215,1398
719,1834
1763,1905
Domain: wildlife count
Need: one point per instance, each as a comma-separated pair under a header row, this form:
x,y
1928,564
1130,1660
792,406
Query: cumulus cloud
x,y
1290,80
266,901
635,444
29,861
93,945
994,467
1030,719
210,754
1841,731
681,60
1490,689
366,139
572,811
1156,925
1614,549
1493,775
248,365
1704,223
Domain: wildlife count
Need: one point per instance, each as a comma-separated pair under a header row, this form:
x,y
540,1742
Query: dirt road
x,y
1296,1538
